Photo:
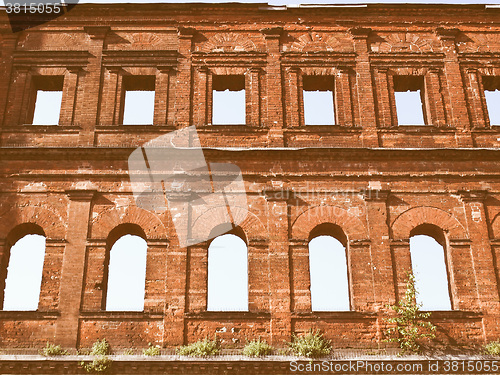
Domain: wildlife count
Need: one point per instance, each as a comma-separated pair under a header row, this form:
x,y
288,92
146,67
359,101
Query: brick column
x,y
293,99
273,100
18,104
258,283
456,103
201,97
69,96
162,84
383,93
300,284
110,97
434,103
51,276
87,106
183,89
73,266
378,229
156,274
279,267
197,278
176,290
474,90
482,255
8,45
401,259
343,98
365,87
253,97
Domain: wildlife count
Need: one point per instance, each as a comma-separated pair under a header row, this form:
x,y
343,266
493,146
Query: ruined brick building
x,y
366,179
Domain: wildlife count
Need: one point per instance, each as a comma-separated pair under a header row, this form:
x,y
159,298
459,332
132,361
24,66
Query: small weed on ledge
x,y
152,350
493,348
101,362
257,348
202,348
51,350
311,345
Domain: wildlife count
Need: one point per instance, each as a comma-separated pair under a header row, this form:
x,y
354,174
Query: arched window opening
x,y
227,274
427,245
23,275
328,269
126,277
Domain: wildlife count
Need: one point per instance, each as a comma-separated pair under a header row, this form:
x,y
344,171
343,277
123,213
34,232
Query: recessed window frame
x,y
321,83
438,235
490,83
233,83
137,83
412,83
18,233
116,234
336,232
53,83
238,233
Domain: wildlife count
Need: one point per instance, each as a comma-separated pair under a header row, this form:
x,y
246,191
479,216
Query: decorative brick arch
x,y
352,226
495,226
52,223
402,42
246,220
106,221
412,218
316,42
228,42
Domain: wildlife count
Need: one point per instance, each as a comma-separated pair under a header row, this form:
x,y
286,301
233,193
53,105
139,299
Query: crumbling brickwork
x,y
366,175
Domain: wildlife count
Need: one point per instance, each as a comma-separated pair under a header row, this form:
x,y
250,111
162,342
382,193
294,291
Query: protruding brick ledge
x,y
141,365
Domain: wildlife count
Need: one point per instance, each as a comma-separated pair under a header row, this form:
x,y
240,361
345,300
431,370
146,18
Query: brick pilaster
x,y
73,265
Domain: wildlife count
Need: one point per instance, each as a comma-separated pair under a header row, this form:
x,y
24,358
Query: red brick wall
x,y
375,180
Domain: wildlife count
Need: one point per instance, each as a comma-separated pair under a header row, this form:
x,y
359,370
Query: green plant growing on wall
x,y
52,350
411,324
202,348
492,348
101,362
152,350
257,348
311,345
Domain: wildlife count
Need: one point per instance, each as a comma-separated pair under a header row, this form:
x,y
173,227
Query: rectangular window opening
x,y
228,100
138,100
47,99
408,92
491,85
318,100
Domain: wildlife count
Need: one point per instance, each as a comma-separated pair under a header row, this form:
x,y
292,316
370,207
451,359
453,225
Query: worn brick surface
x,y
371,178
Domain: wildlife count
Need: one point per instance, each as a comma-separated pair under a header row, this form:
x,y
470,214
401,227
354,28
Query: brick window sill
x,y
231,129
133,128
29,128
454,314
121,315
324,129
28,315
418,129
207,315
321,315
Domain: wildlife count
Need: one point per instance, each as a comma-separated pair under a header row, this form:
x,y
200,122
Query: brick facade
x,y
371,178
